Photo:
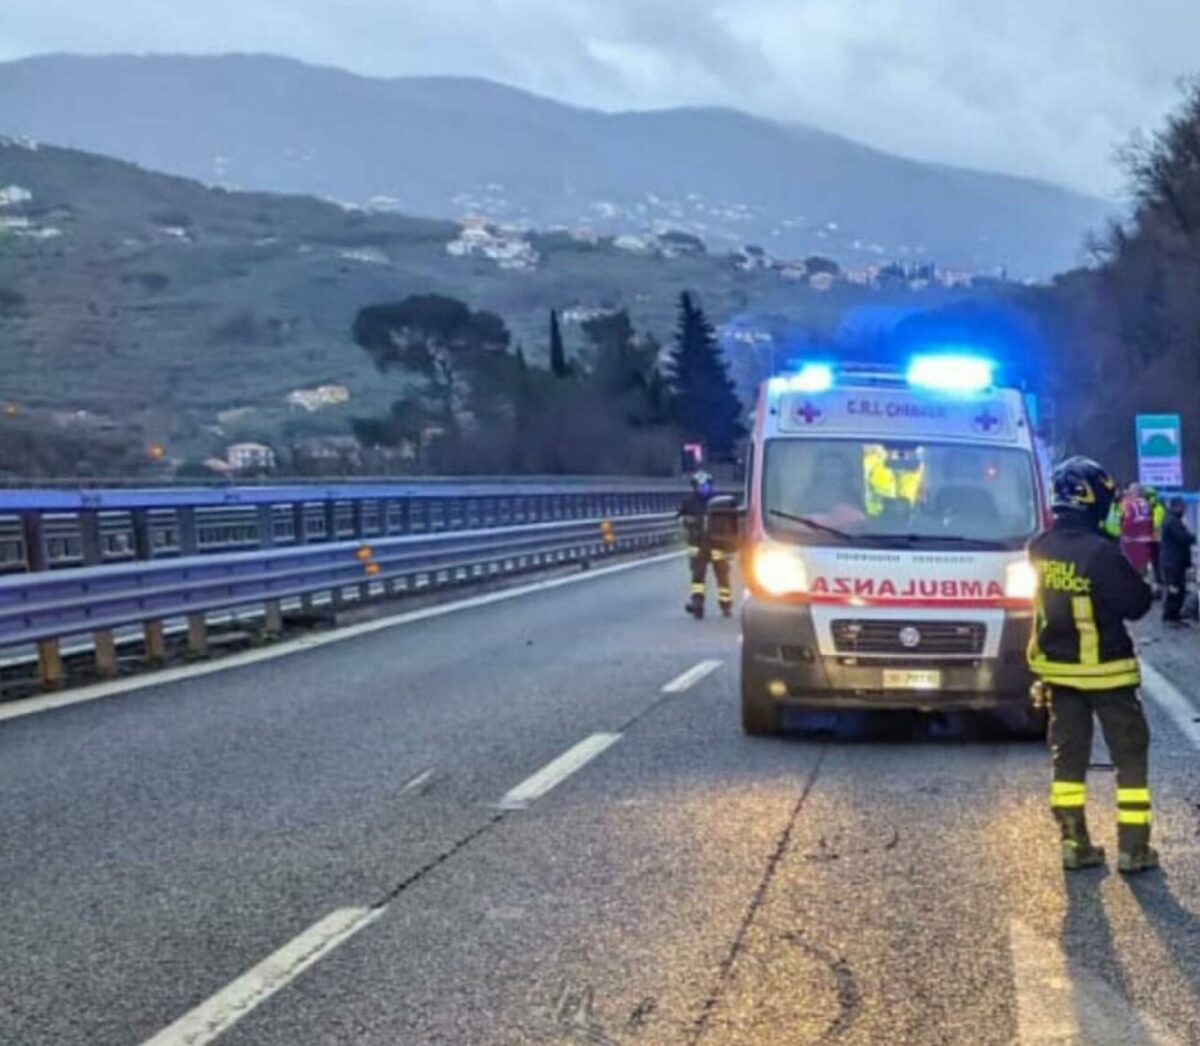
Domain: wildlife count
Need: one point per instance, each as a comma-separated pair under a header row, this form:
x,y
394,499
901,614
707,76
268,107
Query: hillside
x,y
131,294
446,147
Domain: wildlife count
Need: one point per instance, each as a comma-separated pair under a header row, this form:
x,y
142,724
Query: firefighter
x,y
704,548
1084,659
893,479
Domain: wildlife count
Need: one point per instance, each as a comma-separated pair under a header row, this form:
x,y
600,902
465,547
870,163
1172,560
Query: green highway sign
x,y
1160,450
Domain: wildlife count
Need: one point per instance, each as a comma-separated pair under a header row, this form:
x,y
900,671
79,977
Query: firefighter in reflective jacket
x,y
703,548
1084,659
893,477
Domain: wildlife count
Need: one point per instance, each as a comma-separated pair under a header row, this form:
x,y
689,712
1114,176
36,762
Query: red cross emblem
x,y
809,413
986,421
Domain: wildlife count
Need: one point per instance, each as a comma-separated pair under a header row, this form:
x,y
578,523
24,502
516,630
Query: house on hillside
x,y
316,399
250,457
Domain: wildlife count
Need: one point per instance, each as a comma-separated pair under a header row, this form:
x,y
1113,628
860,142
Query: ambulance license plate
x,y
912,679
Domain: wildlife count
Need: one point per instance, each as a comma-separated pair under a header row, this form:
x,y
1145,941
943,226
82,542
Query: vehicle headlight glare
x,y
1020,580
779,571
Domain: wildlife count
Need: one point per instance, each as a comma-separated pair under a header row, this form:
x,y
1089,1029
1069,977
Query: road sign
x,y
1160,450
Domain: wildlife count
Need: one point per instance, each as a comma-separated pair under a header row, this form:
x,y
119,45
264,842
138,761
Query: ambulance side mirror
x,y
725,519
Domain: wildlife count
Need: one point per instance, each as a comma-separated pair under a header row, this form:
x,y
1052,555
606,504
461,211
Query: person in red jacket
x,y
1137,528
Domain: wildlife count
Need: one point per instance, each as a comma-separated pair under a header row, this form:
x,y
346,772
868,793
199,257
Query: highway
x,y
535,820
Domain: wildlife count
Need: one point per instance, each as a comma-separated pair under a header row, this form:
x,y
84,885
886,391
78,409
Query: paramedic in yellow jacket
x,y
892,474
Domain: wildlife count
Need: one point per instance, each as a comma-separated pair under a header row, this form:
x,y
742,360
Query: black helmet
x,y
1082,485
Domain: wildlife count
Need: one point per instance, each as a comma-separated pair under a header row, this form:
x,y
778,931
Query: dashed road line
x,y
687,680
1170,699
557,770
417,783
218,1013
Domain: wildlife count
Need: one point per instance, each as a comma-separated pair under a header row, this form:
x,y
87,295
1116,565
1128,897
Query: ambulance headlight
x,y
1020,580
779,571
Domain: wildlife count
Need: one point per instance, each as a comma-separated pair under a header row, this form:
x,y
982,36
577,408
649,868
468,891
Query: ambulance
x,y
886,521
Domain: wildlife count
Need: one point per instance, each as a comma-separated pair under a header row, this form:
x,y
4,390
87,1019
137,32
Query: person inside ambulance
x,y
893,476
963,503
831,496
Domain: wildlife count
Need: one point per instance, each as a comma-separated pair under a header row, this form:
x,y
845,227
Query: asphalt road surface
x,y
537,821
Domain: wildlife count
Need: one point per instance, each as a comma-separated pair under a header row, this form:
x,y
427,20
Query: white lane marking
x,y
96,691
218,1013
557,771
1058,1005
416,783
687,680
1170,699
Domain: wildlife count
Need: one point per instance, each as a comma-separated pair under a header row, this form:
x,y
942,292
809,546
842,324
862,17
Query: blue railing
x,y
88,562
50,529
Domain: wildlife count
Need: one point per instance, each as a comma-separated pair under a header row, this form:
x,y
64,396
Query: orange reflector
x,y
364,553
372,569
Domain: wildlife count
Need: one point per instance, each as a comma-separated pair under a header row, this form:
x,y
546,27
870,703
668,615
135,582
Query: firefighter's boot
x,y
696,607
726,609
1135,852
1078,851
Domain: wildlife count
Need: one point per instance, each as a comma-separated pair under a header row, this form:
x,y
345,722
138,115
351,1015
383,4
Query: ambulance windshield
x,y
910,491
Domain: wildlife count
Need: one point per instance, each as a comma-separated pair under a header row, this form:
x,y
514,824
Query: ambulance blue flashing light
x,y
812,377
951,372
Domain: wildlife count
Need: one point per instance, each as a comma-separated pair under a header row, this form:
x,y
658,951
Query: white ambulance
x,y
885,534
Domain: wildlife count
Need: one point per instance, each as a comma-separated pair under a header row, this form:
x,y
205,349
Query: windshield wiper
x,y
953,539
813,524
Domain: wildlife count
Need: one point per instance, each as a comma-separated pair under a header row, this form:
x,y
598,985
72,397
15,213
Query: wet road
x,y
537,821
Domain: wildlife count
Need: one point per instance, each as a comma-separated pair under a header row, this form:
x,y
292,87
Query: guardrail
x,y
53,528
413,541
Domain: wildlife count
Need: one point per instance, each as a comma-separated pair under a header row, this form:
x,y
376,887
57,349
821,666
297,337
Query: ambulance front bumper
x,y
783,654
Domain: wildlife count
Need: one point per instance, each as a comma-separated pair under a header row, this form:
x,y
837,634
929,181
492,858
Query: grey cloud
x,y
1040,87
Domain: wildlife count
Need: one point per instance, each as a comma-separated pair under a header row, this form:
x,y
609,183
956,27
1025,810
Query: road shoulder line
x,y
96,691
1184,714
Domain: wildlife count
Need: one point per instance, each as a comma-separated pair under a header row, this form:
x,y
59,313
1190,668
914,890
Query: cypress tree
x,y
559,366
703,401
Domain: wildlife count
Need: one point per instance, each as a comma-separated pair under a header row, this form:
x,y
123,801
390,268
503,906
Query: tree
x,y
559,366
816,263
456,357
703,402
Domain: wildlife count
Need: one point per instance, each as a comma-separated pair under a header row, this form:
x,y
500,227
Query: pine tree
x,y
559,366
703,402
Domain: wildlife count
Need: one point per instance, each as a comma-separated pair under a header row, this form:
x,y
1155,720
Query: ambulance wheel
x,y
761,716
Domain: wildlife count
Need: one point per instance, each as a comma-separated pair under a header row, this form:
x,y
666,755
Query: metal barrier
x,y
54,529
448,539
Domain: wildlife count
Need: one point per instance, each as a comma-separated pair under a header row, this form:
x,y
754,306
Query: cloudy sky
x,y
1039,87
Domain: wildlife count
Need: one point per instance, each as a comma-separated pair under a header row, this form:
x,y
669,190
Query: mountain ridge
x,y
446,146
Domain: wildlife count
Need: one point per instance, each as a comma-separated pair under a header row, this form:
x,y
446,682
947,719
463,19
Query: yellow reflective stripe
x,y
1072,668
1133,795
1118,682
717,555
1085,624
697,587
693,550
1133,817
1068,793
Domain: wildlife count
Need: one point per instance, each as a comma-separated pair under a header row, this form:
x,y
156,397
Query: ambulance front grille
x,y
961,638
